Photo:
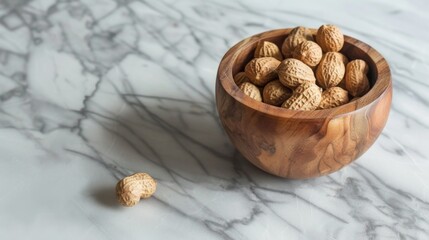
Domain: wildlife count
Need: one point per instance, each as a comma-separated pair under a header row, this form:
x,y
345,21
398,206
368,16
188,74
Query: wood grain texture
x,y
302,144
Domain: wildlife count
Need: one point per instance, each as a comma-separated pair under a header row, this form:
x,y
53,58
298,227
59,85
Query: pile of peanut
x,y
305,74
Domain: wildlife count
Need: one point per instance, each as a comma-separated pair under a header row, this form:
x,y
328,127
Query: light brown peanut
x,y
357,83
251,90
268,49
330,38
275,93
306,96
343,58
132,188
293,72
308,52
333,97
262,70
240,78
295,37
330,71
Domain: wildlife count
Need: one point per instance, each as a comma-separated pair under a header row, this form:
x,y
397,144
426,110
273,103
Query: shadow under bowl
x,y
302,144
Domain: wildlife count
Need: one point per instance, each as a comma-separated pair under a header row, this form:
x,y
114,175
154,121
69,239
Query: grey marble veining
x,y
91,91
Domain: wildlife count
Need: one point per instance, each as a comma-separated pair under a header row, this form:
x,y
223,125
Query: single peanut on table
x,y
132,188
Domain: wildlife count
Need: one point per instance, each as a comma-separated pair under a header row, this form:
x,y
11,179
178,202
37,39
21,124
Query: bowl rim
x,y
225,78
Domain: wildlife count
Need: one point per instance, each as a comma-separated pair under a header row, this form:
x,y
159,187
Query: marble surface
x,y
93,90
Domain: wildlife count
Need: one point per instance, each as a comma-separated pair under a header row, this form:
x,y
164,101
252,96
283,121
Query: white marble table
x,y
93,90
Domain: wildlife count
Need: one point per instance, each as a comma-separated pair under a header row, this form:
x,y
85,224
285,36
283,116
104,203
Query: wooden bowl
x,y
302,144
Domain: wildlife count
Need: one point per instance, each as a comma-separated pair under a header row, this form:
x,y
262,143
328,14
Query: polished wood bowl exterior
x,y
302,144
